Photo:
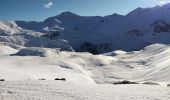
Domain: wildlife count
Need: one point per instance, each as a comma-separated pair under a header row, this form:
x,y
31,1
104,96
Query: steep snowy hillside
x,y
10,33
95,34
9,28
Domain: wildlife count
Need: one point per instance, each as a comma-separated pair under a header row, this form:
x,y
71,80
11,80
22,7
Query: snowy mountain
x,y
139,28
95,34
10,33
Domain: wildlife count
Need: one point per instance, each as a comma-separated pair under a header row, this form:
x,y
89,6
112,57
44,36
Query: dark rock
x,y
135,32
42,79
125,82
61,79
150,83
2,79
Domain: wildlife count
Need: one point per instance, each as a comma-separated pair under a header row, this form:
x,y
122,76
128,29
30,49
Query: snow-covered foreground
x,y
56,90
22,67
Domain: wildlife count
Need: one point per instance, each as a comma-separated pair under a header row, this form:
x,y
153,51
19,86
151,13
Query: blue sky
x,y
41,9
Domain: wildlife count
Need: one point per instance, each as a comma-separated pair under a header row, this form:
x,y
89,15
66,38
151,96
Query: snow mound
x,y
35,51
114,53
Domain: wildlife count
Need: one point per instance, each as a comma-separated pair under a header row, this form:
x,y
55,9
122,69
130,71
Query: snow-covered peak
x,y
115,14
136,11
68,13
63,15
154,13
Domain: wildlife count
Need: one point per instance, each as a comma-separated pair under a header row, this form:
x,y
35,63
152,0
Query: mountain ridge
x,y
100,34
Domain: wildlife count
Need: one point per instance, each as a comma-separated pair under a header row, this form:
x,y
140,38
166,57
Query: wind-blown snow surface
x,y
82,71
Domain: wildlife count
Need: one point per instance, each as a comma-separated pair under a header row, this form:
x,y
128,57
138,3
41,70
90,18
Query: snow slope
x,y
6,50
9,28
28,64
150,64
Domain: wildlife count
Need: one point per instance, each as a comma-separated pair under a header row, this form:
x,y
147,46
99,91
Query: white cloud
x,y
164,2
48,4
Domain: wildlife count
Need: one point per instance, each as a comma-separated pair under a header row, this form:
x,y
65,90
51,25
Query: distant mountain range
x,y
95,34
